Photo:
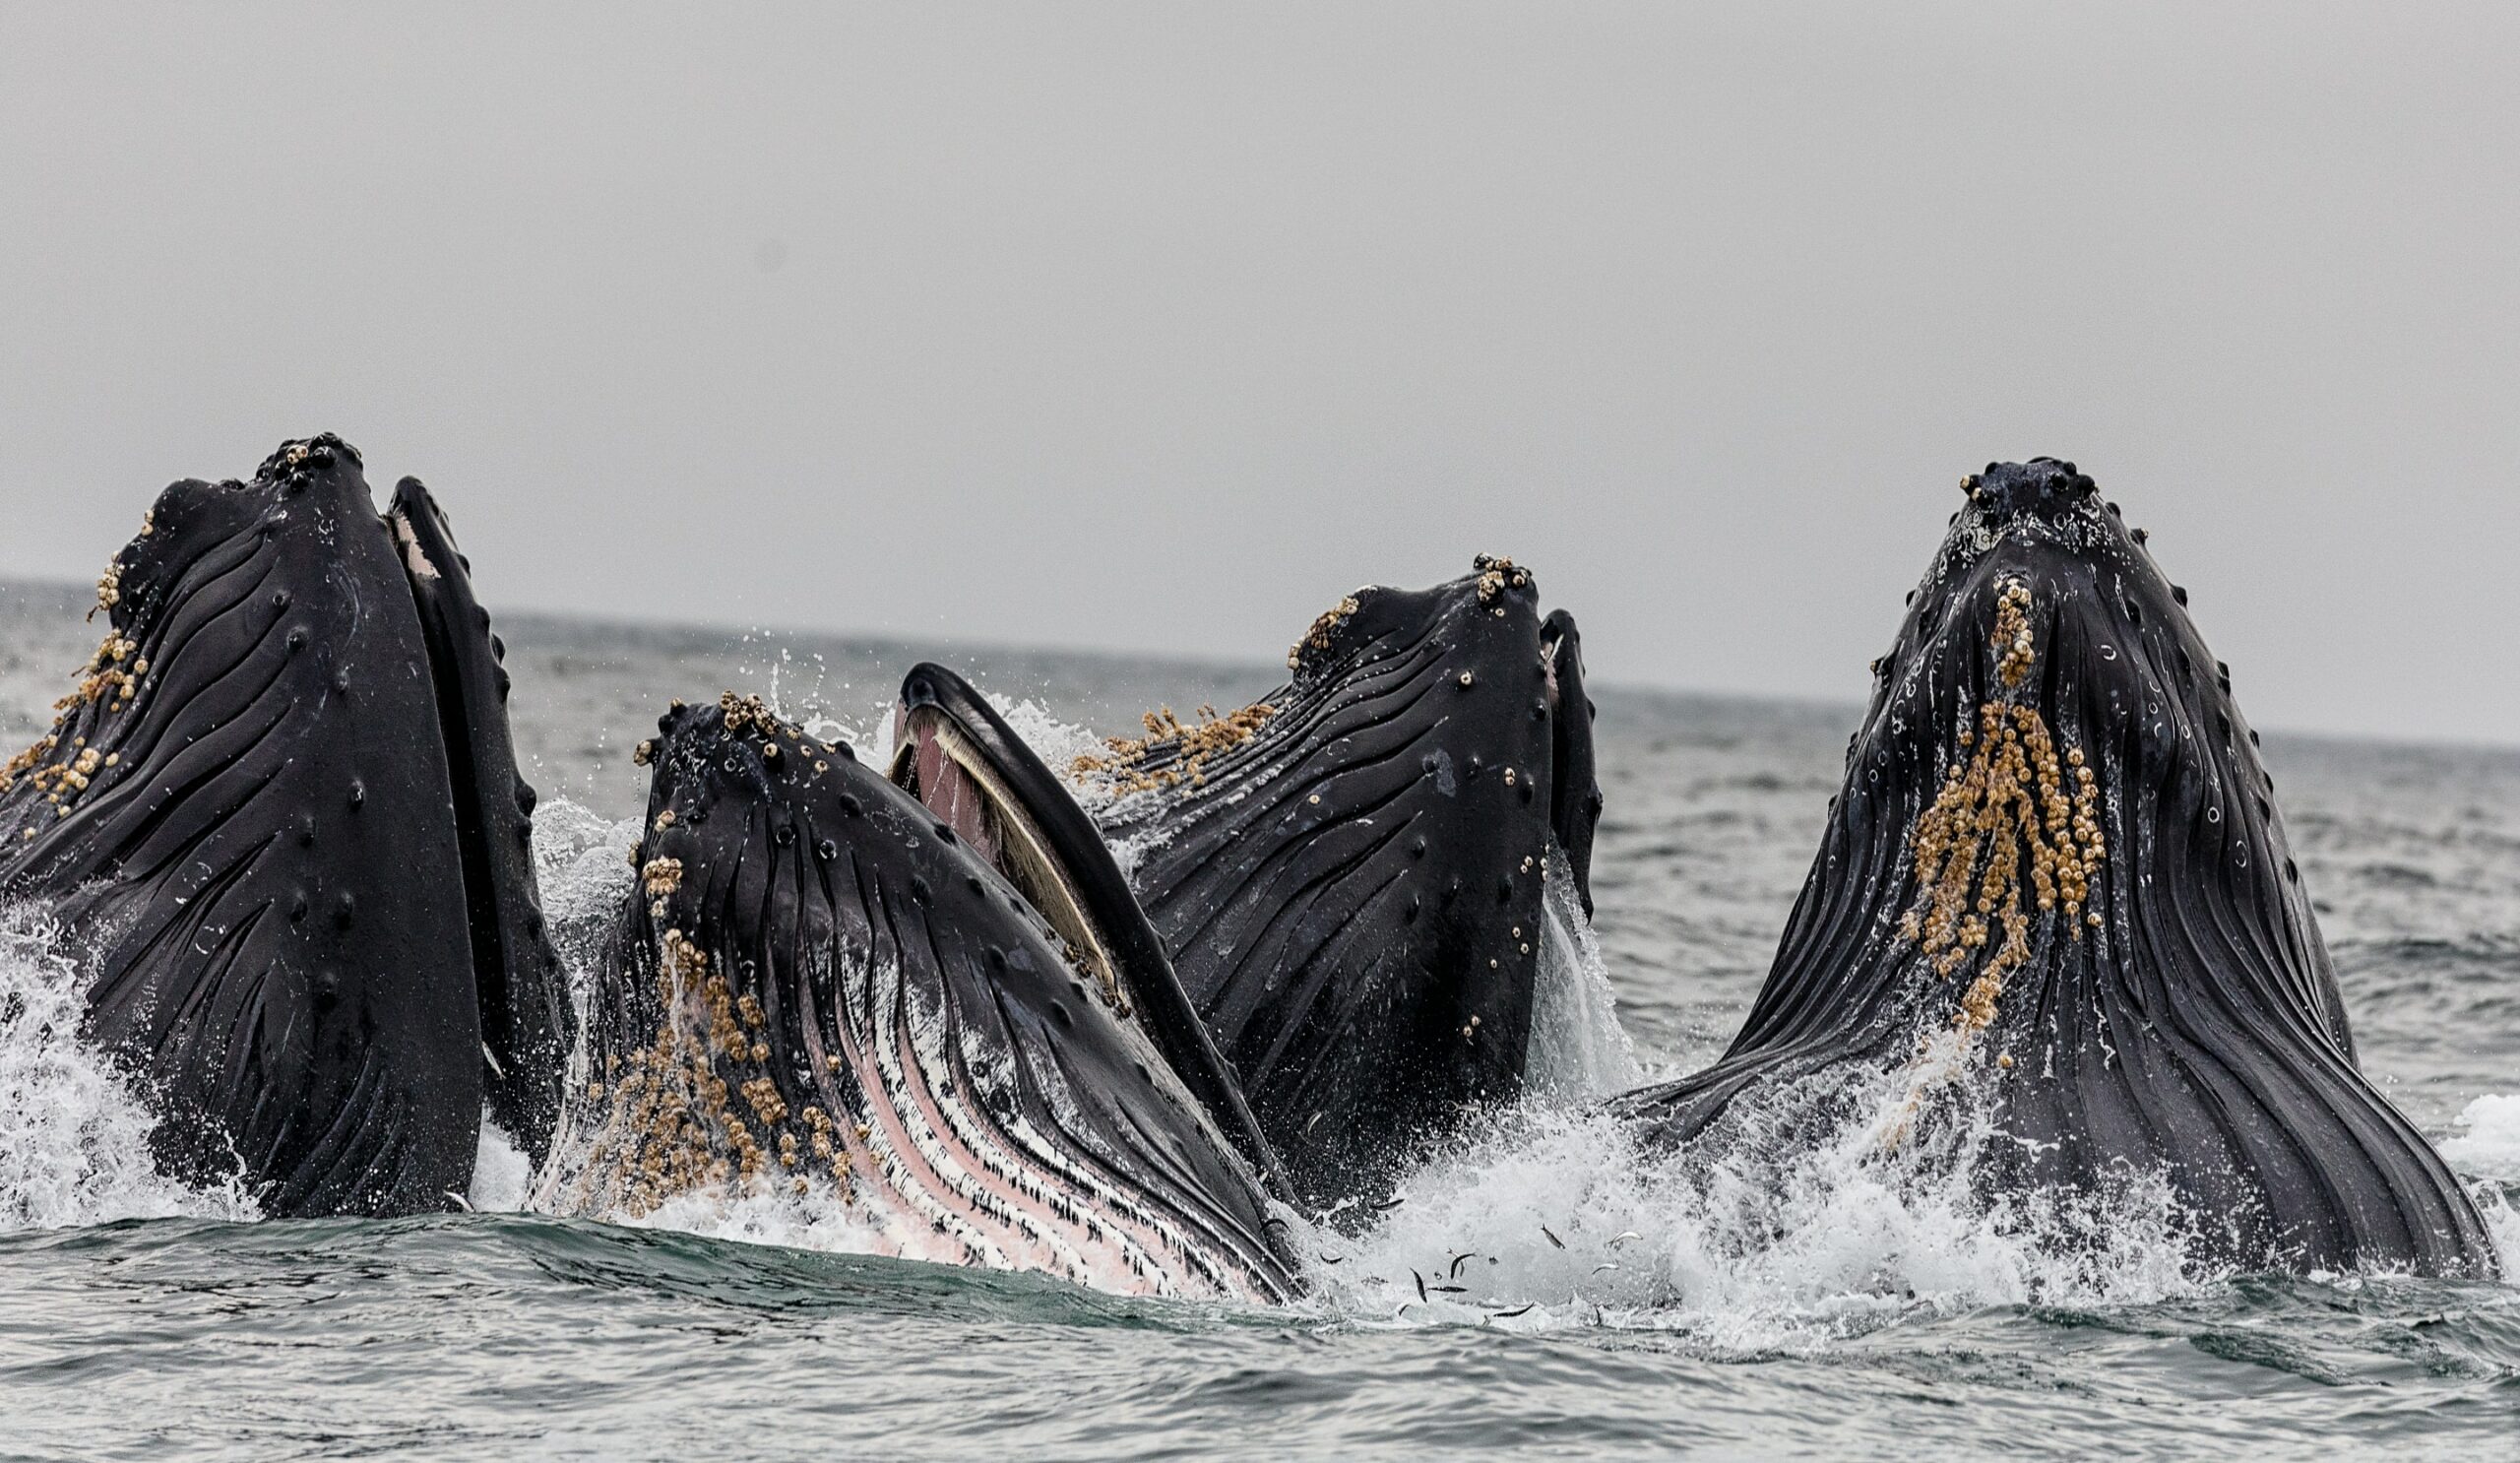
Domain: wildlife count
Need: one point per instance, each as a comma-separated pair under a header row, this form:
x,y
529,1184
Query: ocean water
x,y
1540,1292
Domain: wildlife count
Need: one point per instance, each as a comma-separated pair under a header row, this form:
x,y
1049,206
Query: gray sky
x,y
1160,326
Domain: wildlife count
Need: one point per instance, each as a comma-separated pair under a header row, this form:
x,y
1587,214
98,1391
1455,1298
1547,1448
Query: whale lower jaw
x,y
958,1185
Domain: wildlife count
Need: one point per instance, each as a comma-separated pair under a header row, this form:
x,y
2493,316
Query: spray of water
x,y
502,1175
1579,1053
1561,1218
2487,1143
74,1139
819,1219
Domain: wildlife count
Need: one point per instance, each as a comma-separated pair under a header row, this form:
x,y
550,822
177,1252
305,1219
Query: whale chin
x,y
2055,898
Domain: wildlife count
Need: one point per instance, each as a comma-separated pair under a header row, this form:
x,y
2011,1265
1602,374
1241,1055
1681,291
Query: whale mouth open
x,y
960,760
938,760
2055,896
822,981
1574,788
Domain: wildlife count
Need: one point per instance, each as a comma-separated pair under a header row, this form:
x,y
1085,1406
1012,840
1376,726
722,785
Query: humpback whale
x,y
281,821
2055,896
1348,875
825,982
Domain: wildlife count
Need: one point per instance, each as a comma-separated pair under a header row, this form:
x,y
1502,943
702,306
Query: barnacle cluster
x,y
1317,639
662,876
60,782
110,583
2018,817
1190,743
112,675
1495,572
2012,634
748,712
109,679
676,1123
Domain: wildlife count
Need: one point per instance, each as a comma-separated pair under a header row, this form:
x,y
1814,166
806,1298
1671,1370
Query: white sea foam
x,y
819,1220
2502,1222
2487,1148
2488,1145
74,1139
1056,742
1561,1218
502,1175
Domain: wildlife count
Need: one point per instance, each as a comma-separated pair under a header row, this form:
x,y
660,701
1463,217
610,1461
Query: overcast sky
x,y
1160,326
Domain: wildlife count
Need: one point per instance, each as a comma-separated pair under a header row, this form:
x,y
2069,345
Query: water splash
x,y
820,1219
2488,1144
582,860
1058,743
1563,1219
2487,1148
74,1139
502,1175
1578,1052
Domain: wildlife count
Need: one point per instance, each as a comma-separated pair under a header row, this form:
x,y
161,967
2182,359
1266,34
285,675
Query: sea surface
x,y
1607,1307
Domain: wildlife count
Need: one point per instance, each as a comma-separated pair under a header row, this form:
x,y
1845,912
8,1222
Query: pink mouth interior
x,y
944,788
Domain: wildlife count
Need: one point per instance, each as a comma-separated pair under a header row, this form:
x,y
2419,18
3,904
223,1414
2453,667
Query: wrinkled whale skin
x,y
2181,1016
1349,875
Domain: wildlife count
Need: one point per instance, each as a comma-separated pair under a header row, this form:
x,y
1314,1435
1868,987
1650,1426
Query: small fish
x,y
1394,1202
1598,1270
1457,1260
1552,1239
1334,1259
1421,1284
460,1202
1623,1239
1450,1289
1506,1316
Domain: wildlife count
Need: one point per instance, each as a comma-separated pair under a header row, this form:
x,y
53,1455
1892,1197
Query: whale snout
x,y
2043,486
